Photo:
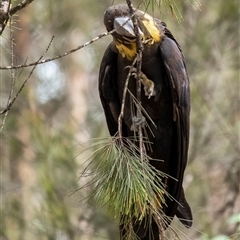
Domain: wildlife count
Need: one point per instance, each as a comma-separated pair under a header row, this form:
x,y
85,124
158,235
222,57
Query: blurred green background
x,y
59,110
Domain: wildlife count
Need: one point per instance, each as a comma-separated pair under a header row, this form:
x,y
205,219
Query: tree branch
x,y
120,117
6,13
59,56
20,6
139,63
10,103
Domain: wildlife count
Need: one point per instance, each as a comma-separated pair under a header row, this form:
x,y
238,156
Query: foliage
x,y
124,185
39,140
170,6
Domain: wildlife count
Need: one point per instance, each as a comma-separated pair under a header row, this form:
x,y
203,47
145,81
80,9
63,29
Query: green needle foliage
x,y
125,184
171,6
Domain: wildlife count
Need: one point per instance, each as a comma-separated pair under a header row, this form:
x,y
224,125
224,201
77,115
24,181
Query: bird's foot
x,y
137,122
147,83
149,41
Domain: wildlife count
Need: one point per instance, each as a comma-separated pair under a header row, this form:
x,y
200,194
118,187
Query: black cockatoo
x,y
165,97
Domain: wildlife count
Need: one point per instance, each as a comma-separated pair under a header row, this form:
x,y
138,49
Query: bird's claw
x,y
149,41
147,83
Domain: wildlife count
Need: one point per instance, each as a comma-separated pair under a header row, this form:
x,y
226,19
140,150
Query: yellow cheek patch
x,y
127,51
152,36
151,27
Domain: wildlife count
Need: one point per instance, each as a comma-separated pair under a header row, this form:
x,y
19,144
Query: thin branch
x,y
20,6
12,77
59,56
9,105
139,63
121,115
66,53
4,13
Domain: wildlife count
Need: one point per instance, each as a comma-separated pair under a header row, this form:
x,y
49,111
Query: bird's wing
x,y
178,81
107,89
179,84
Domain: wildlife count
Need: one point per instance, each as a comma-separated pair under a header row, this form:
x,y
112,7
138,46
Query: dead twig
x,y
12,77
139,64
10,103
6,12
59,56
20,6
121,115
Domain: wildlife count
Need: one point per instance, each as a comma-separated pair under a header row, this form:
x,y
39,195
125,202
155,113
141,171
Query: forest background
x,y
58,113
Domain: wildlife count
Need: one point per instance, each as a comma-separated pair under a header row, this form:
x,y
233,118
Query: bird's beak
x,y
124,27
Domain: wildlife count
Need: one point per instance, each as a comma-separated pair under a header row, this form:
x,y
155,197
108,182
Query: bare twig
x,y
39,61
12,76
139,63
59,56
10,103
20,6
66,53
4,13
123,101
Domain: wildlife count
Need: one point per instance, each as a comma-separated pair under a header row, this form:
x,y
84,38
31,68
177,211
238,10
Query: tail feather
x,y
184,212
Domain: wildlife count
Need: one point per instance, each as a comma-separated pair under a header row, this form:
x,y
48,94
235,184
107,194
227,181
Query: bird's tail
x,y
184,212
146,229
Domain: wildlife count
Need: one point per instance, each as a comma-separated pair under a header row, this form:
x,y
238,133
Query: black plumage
x,y
167,104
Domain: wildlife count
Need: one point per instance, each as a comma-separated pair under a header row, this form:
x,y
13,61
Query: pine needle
x,y
128,187
170,5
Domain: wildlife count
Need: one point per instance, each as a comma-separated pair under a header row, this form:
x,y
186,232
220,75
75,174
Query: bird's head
x,y
118,18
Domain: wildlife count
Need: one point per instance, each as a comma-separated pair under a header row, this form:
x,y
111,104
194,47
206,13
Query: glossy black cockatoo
x,y
165,98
